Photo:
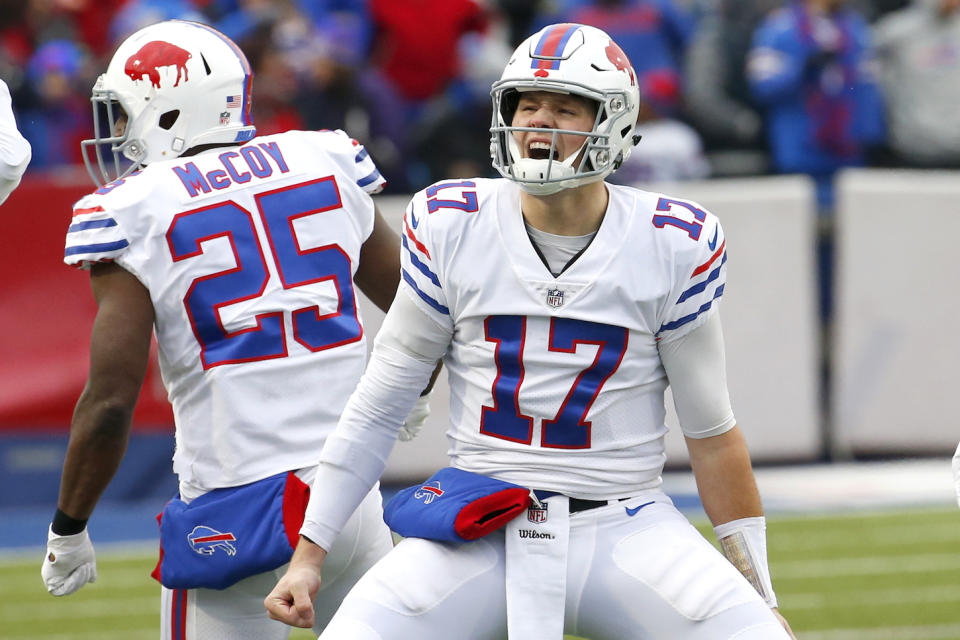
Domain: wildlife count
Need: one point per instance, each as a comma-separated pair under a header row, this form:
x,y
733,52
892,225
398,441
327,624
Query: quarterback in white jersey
x,y
562,307
242,254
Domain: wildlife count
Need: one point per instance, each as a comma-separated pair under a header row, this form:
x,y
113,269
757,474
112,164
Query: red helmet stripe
x,y
551,45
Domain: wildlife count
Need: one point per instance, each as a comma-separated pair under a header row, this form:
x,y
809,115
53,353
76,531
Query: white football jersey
x,y
556,382
249,254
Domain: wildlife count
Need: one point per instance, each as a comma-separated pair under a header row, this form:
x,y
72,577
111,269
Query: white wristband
x,y
744,543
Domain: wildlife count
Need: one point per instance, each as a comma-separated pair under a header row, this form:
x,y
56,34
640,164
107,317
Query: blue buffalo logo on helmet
x,y
206,540
429,492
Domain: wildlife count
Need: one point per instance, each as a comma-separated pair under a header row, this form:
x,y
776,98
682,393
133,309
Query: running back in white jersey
x,y
249,254
556,382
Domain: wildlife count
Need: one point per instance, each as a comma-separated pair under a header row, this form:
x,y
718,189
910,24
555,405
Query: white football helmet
x,y
180,84
572,59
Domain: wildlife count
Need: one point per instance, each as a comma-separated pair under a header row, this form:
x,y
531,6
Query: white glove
x,y
69,564
415,419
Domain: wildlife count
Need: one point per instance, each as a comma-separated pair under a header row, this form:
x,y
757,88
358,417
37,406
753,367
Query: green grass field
x,y
883,576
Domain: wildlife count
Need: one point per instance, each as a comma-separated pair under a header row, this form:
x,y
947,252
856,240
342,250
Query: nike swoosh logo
x,y
633,512
713,243
414,222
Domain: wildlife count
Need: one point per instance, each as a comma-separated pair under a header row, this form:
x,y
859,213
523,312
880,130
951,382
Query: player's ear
x,y
120,122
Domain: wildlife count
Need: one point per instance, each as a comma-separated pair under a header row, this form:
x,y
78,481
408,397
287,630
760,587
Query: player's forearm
x,y
98,439
725,481
730,498
308,554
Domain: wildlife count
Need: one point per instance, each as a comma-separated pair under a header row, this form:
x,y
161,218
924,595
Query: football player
x,y
243,254
563,307
14,148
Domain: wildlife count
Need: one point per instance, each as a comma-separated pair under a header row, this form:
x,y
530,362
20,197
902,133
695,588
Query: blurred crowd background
x,y
730,87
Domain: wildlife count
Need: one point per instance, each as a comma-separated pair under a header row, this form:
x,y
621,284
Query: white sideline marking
x,y
111,578
869,598
900,534
925,632
72,609
866,566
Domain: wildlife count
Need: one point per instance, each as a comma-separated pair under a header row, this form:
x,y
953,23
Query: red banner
x,y
47,311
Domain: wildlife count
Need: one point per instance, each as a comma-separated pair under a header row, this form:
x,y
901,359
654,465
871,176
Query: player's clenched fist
x,y
291,600
69,564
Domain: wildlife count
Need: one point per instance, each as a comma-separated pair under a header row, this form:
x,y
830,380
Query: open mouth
x,y
542,151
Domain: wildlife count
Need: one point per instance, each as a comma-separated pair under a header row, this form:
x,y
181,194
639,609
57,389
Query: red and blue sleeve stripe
x,y
433,302
679,322
417,272
700,290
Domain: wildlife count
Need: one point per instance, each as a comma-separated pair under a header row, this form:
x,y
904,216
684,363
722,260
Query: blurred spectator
x,y
519,17
810,69
419,59
14,149
345,16
136,14
669,151
319,67
16,47
274,109
415,42
45,20
653,33
717,100
85,22
879,8
919,52
59,117
452,136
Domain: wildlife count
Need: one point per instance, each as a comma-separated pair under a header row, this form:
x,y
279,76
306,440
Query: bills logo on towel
x,y
429,492
205,540
472,506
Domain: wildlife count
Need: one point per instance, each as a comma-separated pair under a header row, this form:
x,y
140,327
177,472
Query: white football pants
x,y
237,612
650,576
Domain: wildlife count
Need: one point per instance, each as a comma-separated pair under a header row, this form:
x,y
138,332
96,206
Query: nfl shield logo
x,y
554,297
537,514
224,117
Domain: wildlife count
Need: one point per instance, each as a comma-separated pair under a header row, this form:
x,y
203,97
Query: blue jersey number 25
x,y
248,279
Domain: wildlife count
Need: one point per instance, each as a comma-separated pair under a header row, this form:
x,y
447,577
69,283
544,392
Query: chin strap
x,y
562,173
